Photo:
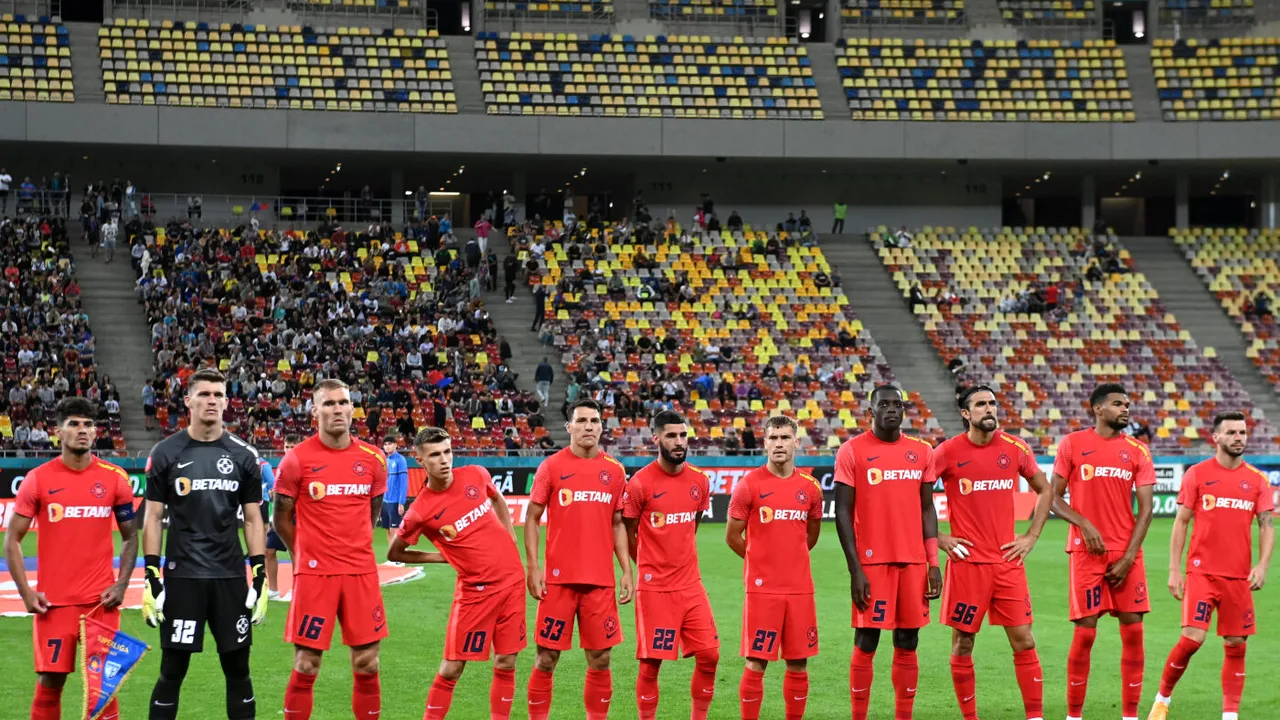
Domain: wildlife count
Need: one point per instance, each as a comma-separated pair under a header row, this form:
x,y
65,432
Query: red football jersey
x,y
461,523
886,478
777,511
1101,476
1224,503
76,514
668,507
332,490
581,495
980,481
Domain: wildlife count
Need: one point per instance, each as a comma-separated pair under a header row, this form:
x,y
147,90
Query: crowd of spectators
x,y
44,197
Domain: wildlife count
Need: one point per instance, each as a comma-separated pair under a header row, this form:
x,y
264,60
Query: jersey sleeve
x,y
815,502
541,491
1189,493
251,485
288,475
411,526
1063,463
1027,465
929,475
704,484
268,478
157,475
27,503
846,466
1266,497
1146,474
740,500
937,461
633,498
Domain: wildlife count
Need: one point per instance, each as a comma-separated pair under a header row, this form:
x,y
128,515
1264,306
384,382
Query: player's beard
x,y
671,456
1232,452
988,424
79,451
1118,424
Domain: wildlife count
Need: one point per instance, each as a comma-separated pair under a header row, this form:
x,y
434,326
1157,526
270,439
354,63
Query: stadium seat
x,y
713,9
903,11
581,10
1219,79
1206,12
35,60
1055,12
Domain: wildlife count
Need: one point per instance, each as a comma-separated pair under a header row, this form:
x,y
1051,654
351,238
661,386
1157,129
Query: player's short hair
x,y
1101,392
293,439
665,418
781,421
1227,415
894,388
587,403
430,436
328,384
390,439
209,375
967,394
74,407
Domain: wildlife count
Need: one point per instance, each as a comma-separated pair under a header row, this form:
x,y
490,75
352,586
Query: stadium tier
x,y
1048,11
1209,10
550,9
621,76
370,6
289,67
908,11
754,322
1220,79
719,9
1241,268
35,60
1109,329
972,80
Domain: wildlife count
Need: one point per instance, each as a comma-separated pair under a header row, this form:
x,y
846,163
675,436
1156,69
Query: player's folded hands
x,y
153,593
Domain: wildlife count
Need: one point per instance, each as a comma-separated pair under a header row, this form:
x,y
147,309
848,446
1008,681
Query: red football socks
x,y
47,703
298,696
647,689
703,685
502,692
597,693
366,696
750,693
1133,657
906,676
540,683
1026,666
439,698
861,672
795,693
1176,664
1078,669
1232,677
963,680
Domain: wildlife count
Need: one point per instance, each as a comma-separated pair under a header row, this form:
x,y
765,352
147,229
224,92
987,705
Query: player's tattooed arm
x,y
114,595
1178,543
1093,541
282,520
1266,543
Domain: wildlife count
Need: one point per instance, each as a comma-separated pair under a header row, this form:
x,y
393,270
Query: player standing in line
x,y
775,516
397,488
888,529
75,495
465,517
985,573
580,488
274,544
204,477
331,486
1223,495
1102,467
662,507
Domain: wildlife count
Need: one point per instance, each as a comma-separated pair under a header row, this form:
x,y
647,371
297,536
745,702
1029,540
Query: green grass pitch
x,y
418,611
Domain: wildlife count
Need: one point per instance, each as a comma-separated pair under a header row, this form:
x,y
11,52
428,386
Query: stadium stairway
x,y
1142,82
983,14
1199,313
123,341
835,104
884,312
466,76
86,68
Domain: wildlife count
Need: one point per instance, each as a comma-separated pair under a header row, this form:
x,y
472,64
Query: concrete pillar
x,y
833,20
1182,200
519,188
400,203
1270,200
1088,202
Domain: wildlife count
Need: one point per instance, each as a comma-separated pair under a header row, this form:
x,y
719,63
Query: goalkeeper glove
x,y
153,593
257,598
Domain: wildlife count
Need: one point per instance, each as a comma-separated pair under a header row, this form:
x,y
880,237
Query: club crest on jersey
x,y
472,492
1125,456
1003,461
98,490
359,468
225,466
379,615
1140,593
610,626
604,477
911,456
657,519
316,490
802,497
812,635
695,493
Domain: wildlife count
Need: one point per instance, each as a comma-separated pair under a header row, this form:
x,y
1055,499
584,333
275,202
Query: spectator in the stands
x,y
917,297
790,225
6,180
731,444
734,223
543,377
26,197
839,211
1138,430
1262,304
749,440
195,207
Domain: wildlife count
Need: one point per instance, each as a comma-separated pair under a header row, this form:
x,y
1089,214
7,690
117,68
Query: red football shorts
x,y
779,624
319,601
1092,595
671,624
55,635
595,609
478,622
1230,596
971,591
897,597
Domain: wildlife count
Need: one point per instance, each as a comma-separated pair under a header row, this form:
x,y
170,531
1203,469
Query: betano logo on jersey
x,y
768,514
661,519
449,532
185,485
1089,472
58,513
568,497
1209,502
319,491
971,486
875,476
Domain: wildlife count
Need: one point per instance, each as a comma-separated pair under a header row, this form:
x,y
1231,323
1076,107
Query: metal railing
x,y
599,20
211,11
32,8
289,209
416,15
699,23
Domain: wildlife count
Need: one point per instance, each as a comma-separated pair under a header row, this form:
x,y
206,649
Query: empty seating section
x,y
35,60
1221,79
358,6
798,324
1237,265
289,67
672,77
1210,11
1048,11
903,11
1046,365
971,80
600,8
719,9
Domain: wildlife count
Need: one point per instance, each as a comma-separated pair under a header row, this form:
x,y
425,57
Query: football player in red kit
x,y
465,517
79,501
580,488
985,576
888,530
1223,495
775,516
662,507
334,483
1102,467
